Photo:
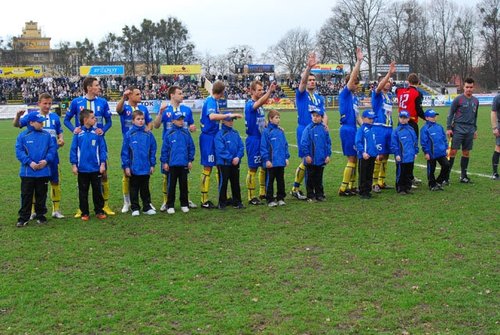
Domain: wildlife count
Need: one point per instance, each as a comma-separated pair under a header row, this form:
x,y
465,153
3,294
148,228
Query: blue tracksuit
x,y
366,141
404,143
88,151
273,146
433,140
34,146
178,147
316,143
139,151
228,145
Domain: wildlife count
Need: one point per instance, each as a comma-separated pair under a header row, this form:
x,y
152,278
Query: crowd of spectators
x,y
155,87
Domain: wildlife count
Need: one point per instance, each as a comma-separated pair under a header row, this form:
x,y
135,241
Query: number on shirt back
x,y
403,99
211,158
257,159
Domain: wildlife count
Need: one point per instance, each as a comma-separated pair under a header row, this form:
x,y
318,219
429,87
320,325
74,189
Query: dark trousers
x,y
431,168
229,173
404,172
177,173
33,186
140,184
85,180
414,125
314,181
278,174
365,171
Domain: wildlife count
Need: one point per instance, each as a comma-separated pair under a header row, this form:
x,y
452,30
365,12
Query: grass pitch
x,y
426,263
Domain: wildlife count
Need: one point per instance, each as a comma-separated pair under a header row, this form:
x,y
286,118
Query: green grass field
x,y
425,263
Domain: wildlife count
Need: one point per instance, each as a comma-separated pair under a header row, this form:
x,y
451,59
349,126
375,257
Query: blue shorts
x,y
348,139
252,145
207,149
300,130
383,139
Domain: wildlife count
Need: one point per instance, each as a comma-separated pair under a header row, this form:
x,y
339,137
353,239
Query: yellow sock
x,y
352,182
105,191
165,188
125,185
346,178
382,173
55,195
376,171
205,185
251,184
299,176
262,182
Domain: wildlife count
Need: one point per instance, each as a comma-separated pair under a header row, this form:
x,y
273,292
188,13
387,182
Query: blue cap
x,y
177,115
405,114
35,117
318,111
369,114
228,118
430,113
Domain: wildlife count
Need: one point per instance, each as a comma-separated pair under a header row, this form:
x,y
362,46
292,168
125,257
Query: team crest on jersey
x,y
169,114
81,108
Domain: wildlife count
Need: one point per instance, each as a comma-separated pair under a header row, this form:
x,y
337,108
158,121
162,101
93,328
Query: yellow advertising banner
x,y
180,69
21,72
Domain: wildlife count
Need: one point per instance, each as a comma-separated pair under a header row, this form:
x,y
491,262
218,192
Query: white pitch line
x,y
418,165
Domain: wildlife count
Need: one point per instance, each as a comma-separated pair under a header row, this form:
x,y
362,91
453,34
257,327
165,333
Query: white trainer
x,y
281,203
150,212
163,207
136,213
57,215
185,209
192,204
272,204
32,216
171,210
126,207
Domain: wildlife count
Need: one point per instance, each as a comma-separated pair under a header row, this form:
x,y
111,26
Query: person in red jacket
x,y
410,99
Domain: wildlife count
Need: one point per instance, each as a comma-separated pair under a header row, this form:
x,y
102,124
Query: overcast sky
x,y
214,25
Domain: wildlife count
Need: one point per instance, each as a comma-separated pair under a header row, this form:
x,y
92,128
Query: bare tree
x,y
442,17
366,14
291,51
238,56
489,13
462,46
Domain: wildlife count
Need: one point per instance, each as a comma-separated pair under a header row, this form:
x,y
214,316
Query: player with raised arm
x,y
255,122
307,101
382,127
349,118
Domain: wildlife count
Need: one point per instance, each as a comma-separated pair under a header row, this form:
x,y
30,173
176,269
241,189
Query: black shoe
x,y
255,202
345,193
321,198
465,180
41,220
221,206
495,176
298,194
208,205
445,183
239,206
21,223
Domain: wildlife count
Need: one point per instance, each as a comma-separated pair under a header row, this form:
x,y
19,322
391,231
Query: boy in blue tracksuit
x,y
433,142
88,156
35,149
275,155
366,147
317,148
404,146
229,150
138,162
177,155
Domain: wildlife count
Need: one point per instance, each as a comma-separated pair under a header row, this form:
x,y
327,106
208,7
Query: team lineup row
x,y
367,146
